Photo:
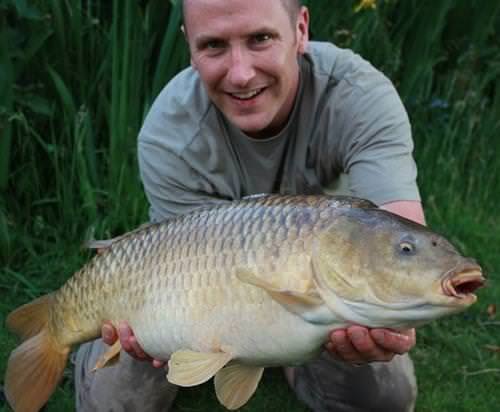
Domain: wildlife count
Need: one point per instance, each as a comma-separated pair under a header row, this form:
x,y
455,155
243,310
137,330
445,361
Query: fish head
x,y
390,271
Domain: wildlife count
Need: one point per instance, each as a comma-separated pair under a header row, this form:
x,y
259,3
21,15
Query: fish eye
x,y
406,248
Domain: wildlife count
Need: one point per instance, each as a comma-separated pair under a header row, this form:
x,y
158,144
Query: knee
x,y
397,386
330,385
402,399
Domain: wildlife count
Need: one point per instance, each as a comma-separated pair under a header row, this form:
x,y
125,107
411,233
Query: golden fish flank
x,y
228,290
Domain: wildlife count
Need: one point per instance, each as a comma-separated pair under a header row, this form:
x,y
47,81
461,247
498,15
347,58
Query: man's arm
x,y
358,344
410,209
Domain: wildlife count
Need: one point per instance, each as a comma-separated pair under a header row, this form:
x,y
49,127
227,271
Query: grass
x,y
68,126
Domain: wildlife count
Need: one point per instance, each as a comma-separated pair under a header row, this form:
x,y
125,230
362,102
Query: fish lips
x,y
461,283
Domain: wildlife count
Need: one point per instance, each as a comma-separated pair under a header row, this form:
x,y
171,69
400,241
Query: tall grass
x,y
6,77
85,75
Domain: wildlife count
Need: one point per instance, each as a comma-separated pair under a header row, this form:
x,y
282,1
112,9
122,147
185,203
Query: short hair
x,y
291,6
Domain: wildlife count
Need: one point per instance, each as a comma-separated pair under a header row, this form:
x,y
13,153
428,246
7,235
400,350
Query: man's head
x,y
246,54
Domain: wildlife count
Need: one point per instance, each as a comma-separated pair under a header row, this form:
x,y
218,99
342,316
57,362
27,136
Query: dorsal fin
x,y
255,196
106,243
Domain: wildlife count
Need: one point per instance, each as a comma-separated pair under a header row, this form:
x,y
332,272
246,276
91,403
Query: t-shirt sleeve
x,y
171,185
376,144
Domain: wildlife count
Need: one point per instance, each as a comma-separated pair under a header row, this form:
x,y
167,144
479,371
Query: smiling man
x,y
263,110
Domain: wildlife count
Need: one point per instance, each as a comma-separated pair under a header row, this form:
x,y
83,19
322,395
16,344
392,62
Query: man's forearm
x,y
409,209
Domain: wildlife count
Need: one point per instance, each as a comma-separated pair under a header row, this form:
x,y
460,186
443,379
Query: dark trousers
x,y
324,385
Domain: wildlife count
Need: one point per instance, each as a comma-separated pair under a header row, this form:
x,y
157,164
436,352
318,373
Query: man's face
x,y
246,55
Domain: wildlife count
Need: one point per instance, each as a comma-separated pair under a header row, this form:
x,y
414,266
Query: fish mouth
x,y
462,283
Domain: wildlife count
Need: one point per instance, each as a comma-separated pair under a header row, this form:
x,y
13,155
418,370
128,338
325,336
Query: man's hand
x,y
359,345
128,341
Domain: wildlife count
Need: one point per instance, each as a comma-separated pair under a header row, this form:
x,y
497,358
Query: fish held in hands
x,y
228,290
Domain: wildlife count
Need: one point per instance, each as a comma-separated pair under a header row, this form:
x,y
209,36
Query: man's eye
x,y
210,45
213,44
261,38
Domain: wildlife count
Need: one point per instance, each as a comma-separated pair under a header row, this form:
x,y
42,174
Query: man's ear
x,y
302,29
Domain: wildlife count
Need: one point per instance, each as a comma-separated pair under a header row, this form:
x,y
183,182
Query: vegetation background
x,y
78,76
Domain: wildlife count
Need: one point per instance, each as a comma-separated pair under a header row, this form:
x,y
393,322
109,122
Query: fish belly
x,y
255,331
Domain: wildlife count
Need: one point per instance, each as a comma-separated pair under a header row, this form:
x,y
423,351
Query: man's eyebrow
x,y
203,39
263,29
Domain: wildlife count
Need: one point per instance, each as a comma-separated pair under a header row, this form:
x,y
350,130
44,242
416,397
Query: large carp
x,y
228,290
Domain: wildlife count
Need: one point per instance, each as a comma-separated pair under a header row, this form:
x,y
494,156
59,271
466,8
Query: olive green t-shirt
x,y
347,121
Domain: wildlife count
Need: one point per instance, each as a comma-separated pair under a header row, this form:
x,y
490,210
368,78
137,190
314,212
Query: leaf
x,y
492,310
6,85
35,103
35,43
64,93
27,11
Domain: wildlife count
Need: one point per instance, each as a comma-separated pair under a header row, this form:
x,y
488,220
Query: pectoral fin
x,y
190,368
110,357
308,306
236,383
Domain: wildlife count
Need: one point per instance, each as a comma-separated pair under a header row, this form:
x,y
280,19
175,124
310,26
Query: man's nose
x,y
240,70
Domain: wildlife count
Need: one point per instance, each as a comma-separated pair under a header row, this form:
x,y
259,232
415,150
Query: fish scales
x,y
121,269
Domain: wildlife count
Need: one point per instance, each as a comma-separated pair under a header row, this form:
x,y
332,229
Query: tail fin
x,y
35,368
28,320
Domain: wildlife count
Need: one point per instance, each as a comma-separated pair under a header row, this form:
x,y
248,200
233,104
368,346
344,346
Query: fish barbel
x,y
227,290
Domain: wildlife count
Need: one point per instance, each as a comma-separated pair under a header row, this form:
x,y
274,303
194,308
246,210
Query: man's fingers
x,y
366,347
108,333
137,348
158,363
341,346
358,344
124,332
392,341
129,342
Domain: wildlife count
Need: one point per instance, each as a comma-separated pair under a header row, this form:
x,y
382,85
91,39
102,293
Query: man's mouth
x,y
248,95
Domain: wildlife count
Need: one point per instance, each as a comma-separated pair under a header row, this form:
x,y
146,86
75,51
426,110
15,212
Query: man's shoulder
x,y
177,113
342,66
185,92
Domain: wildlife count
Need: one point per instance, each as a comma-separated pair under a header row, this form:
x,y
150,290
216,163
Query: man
x,y
263,110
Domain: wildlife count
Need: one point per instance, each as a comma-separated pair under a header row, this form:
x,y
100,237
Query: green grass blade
x,y
64,94
6,101
170,60
29,287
